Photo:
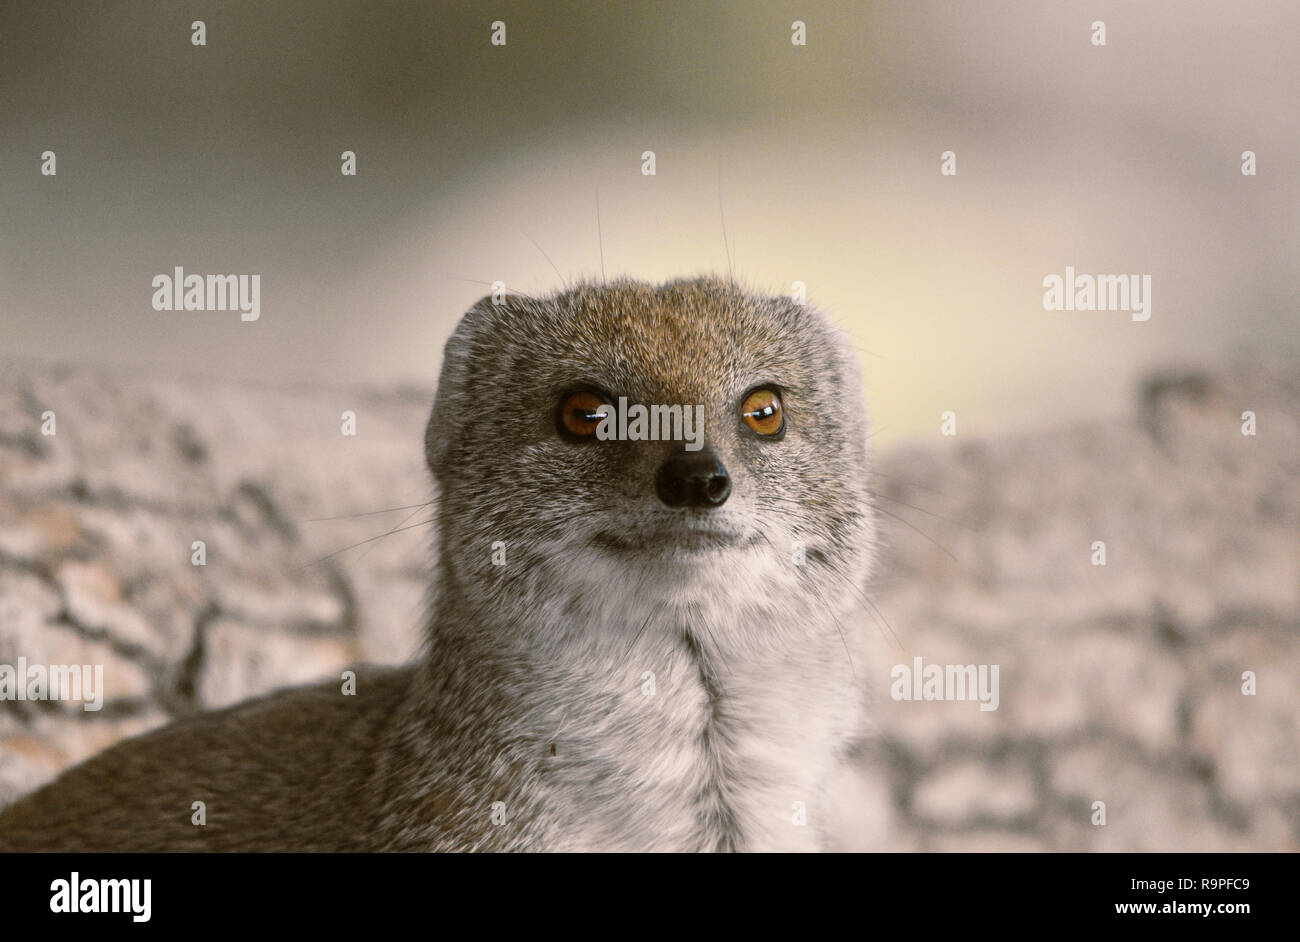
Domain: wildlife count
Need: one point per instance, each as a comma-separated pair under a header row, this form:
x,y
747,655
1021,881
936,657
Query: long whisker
x,y
870,353
838,627
367,513
826,605
726,245
476,281
907,483
317,562
600,237
877,615
922,510
554,268
913,526
853,338
778,499
394,530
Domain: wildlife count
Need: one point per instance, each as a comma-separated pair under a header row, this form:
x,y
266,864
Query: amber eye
x,y
762,412
581,413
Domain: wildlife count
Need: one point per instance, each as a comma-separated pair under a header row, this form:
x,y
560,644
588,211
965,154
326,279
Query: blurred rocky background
x,y
478,163
1119,684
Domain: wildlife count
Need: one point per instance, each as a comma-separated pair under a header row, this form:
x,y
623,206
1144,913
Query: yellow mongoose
x,y
632,645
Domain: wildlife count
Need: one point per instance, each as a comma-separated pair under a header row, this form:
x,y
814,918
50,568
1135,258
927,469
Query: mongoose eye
x,y
762,412
581,413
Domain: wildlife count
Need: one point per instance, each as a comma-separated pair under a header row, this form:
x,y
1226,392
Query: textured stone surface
x,y
97,530
1118,683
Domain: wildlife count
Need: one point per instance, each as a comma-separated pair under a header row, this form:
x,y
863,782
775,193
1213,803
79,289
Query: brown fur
x,y
533,690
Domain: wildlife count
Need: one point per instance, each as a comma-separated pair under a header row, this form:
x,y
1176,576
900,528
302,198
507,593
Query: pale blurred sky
x,y
1122,159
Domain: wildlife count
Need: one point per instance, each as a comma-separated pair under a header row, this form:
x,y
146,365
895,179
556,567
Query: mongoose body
x,y
631,646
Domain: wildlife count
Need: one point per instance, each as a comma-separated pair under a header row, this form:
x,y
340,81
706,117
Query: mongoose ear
x,y
466,351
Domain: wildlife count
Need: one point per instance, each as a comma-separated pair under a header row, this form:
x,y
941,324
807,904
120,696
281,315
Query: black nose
x,y
693,480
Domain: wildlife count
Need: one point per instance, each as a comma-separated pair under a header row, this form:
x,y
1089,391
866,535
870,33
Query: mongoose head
x,y
766,512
